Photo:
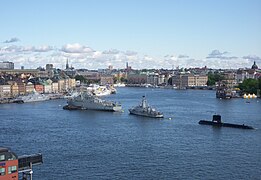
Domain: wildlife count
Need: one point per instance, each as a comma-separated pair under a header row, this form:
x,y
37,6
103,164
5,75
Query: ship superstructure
x,y
86,100
145,110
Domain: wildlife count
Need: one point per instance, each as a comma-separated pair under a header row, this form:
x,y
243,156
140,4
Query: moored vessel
x,y
86,100
144,109
34,97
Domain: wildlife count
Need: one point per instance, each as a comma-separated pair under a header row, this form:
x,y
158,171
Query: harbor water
x,y
116,145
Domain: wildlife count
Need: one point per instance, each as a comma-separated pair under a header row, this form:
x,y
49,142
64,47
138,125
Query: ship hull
x,y
217,124
94,106
145,114
31,98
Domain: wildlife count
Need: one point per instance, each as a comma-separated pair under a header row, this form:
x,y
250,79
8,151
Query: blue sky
x,y
146,33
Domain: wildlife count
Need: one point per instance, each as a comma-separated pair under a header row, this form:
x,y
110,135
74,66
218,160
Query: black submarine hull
x,y
220,124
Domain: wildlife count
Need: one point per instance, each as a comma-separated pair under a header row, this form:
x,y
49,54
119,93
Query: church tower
x,y
254,66
67,64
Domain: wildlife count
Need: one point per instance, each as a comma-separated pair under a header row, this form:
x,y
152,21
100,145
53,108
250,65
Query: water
x,y
106,145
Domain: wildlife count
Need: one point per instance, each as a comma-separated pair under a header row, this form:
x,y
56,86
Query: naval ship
x,y
33,97
86,100
145,110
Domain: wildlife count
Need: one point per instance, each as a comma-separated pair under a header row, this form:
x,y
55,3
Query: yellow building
x,y
29,88
189,80
72,83
14,89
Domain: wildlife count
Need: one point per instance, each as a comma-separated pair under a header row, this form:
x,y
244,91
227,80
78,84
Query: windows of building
x,y
2,157
12,169
2,171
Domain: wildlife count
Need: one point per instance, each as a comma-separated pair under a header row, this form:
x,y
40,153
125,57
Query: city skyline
x,y
147,34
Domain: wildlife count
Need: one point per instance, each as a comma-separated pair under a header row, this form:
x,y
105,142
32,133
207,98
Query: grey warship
x,y
144,109
85,100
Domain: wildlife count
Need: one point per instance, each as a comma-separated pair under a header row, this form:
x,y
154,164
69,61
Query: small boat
x,y
145,110
216,121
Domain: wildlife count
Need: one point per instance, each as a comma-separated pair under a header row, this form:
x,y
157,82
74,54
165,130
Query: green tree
x,y
80,78
250,85
124,80
213,78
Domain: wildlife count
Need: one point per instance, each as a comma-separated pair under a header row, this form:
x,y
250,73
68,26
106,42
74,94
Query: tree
x,y
124,80
80,78
250,85
213,78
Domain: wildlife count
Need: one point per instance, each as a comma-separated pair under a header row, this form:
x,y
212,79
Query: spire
x,y
67,64
254,66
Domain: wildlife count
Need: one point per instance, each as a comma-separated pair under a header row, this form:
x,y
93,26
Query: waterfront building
x,y
21,88
200,80
5,91
39,88
47,88
183,80
55,87
106,80
230,79
6,65
162,79
66,84
29,88
137,78
153,79
63,85
72,83
14,89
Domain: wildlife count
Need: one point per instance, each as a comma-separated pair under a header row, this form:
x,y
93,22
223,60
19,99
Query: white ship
x,y
119,85
34,97
85,100
145,110
98,90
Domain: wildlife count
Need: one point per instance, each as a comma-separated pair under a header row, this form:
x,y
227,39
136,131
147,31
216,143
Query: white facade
x,y
55,88
5,91
48,88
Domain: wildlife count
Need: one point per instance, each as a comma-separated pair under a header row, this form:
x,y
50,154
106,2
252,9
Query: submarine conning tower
x,y
216,118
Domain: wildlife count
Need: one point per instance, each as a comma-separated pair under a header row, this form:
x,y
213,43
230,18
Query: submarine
x,y
216,121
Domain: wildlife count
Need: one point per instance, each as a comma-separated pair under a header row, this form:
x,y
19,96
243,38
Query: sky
x,y
94,34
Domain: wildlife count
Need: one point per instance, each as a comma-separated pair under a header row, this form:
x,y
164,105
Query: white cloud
x,y
111,51
81,56
76,48
43,48
220,55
